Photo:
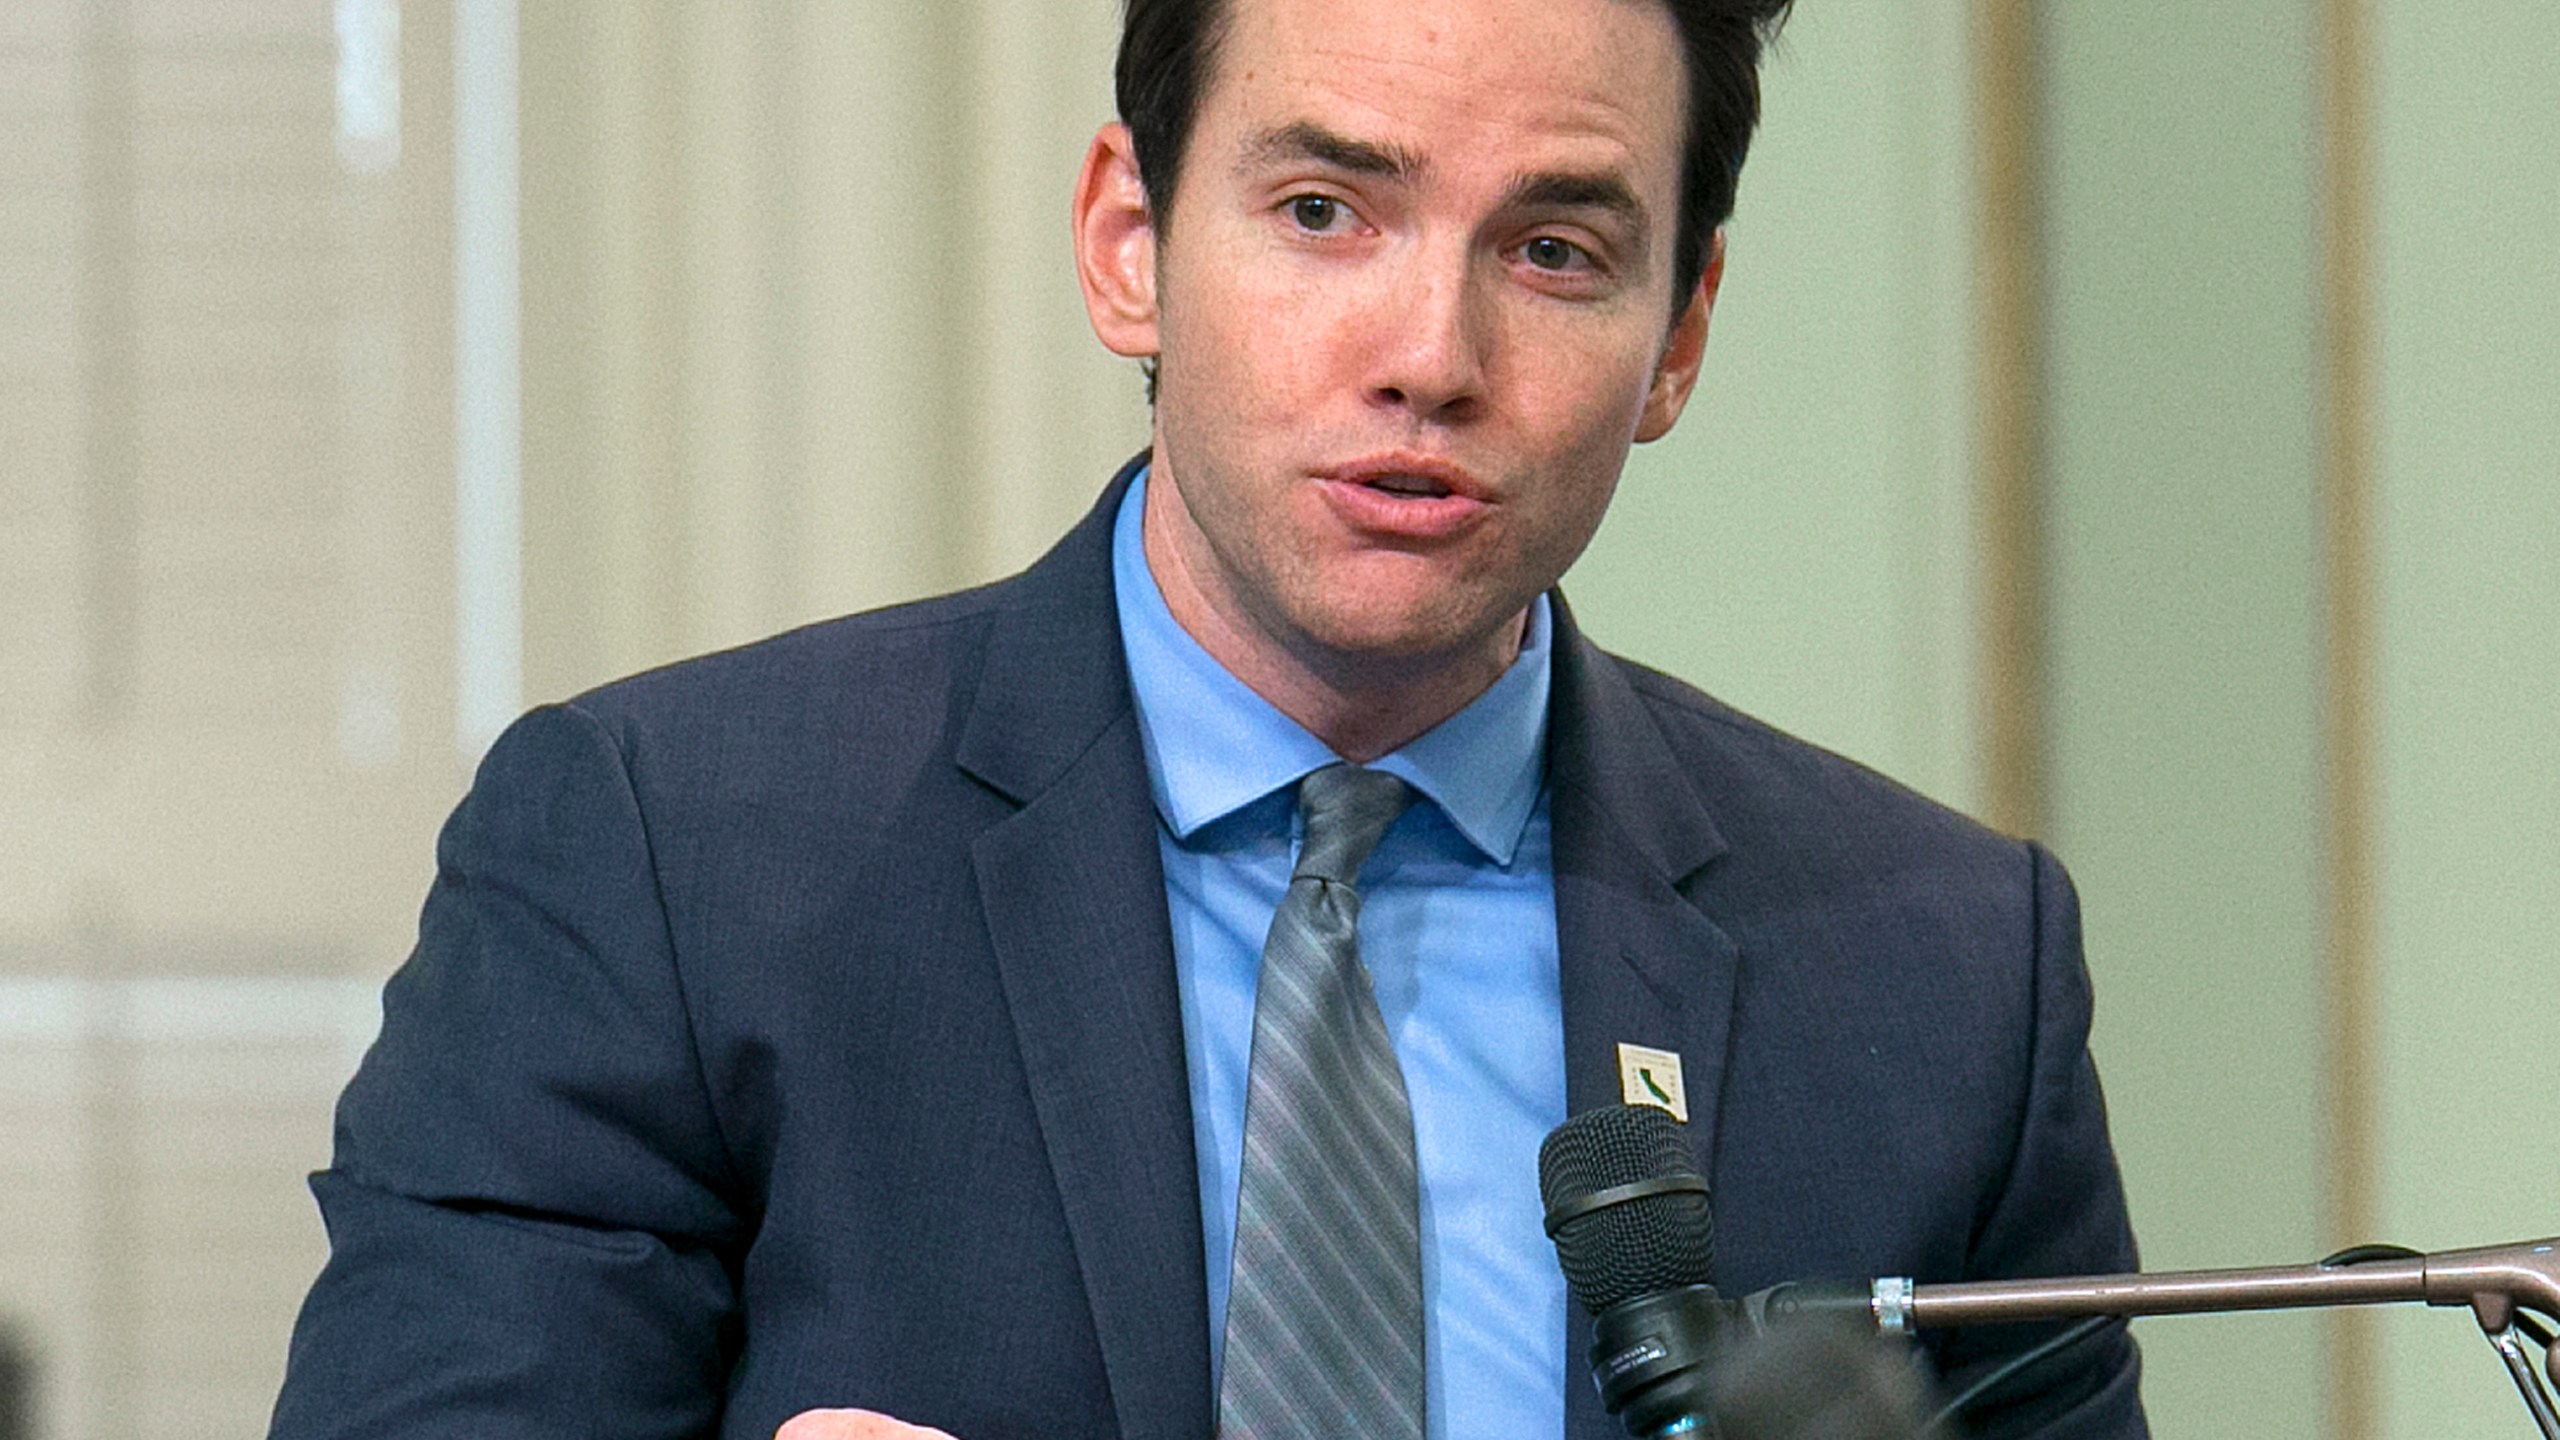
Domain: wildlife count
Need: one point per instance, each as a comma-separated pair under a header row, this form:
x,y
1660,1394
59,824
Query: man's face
x,y
1411,303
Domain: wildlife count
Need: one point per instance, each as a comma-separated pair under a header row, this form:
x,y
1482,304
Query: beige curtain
x,y
800,337
802,331
225,659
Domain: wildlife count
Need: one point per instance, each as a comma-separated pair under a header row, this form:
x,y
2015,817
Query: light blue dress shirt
x,y
1458,930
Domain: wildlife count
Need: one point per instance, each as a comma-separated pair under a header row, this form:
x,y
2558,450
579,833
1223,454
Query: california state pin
x,y
1652,1077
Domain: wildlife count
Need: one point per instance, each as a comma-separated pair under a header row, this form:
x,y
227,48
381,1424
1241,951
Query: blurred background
x,y
2136,424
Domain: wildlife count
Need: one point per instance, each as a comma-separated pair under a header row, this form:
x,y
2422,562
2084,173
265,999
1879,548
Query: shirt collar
x,y
1213,746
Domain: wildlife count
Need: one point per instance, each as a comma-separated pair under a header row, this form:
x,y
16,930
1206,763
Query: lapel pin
x,y
1652,1077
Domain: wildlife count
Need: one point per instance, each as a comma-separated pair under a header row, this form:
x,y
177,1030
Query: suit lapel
x,y
1072,887
1640,963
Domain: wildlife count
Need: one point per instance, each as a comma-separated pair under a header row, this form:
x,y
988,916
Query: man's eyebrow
x,y
1565,190
1305,140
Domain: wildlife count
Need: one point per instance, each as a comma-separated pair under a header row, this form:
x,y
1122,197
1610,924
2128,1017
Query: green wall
x,y
2187,641
1800,544
2468,534
1804,546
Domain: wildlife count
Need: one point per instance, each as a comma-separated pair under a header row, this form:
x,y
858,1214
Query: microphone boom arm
x,y
2494,1281
2527,1275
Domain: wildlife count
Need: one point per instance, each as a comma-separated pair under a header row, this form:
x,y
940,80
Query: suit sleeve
x,y
530,1208
2061,1212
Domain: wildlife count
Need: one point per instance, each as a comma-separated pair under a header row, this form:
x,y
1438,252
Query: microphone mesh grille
x,y
1635,1247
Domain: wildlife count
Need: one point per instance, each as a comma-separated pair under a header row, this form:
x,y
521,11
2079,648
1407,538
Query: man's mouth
x,y
1408,475
1410,487
1403,497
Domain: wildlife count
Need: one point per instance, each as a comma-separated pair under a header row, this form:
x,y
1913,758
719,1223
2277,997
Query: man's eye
x,y
1317,213
1549,253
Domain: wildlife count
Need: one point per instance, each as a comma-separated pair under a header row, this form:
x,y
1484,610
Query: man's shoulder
x,y
898,675
1764,785
835,713
847,658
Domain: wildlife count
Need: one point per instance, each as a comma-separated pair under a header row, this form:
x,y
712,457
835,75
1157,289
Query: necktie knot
x,y
1346,808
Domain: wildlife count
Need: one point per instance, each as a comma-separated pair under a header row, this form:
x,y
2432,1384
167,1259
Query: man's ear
x,y
1677,373
1116,245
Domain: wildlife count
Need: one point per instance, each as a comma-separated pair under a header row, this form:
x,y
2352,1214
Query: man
x,y
873,1023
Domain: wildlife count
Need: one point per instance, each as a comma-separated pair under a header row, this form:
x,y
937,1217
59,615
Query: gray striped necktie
x,y
1324,1311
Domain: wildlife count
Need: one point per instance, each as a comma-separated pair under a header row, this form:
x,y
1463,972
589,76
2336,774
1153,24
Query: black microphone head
x,y
1636,1246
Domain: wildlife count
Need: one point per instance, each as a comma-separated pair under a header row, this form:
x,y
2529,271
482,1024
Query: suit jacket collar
x,y
1054,679
1073,890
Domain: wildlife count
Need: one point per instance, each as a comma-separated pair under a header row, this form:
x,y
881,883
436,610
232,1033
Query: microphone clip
x,y
1649,1359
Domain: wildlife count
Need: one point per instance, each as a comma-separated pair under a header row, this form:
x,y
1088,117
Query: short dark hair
x,y
1169,49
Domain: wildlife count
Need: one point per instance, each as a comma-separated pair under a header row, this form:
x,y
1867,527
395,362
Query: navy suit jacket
x,y
797,1027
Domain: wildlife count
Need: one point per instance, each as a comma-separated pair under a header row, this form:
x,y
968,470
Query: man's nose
x,y
1432,335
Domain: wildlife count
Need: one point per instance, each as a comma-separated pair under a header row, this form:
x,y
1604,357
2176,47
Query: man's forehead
x,y
1605,46
1386,88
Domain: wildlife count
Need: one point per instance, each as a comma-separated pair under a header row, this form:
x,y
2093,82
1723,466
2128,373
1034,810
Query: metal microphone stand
x,y
2504,1286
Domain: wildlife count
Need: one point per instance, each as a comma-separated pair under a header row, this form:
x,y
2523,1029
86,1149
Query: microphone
x,y
1635,1237
1633,1232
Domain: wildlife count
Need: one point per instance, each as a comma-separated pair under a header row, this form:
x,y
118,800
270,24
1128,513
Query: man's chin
x,y
1386,645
